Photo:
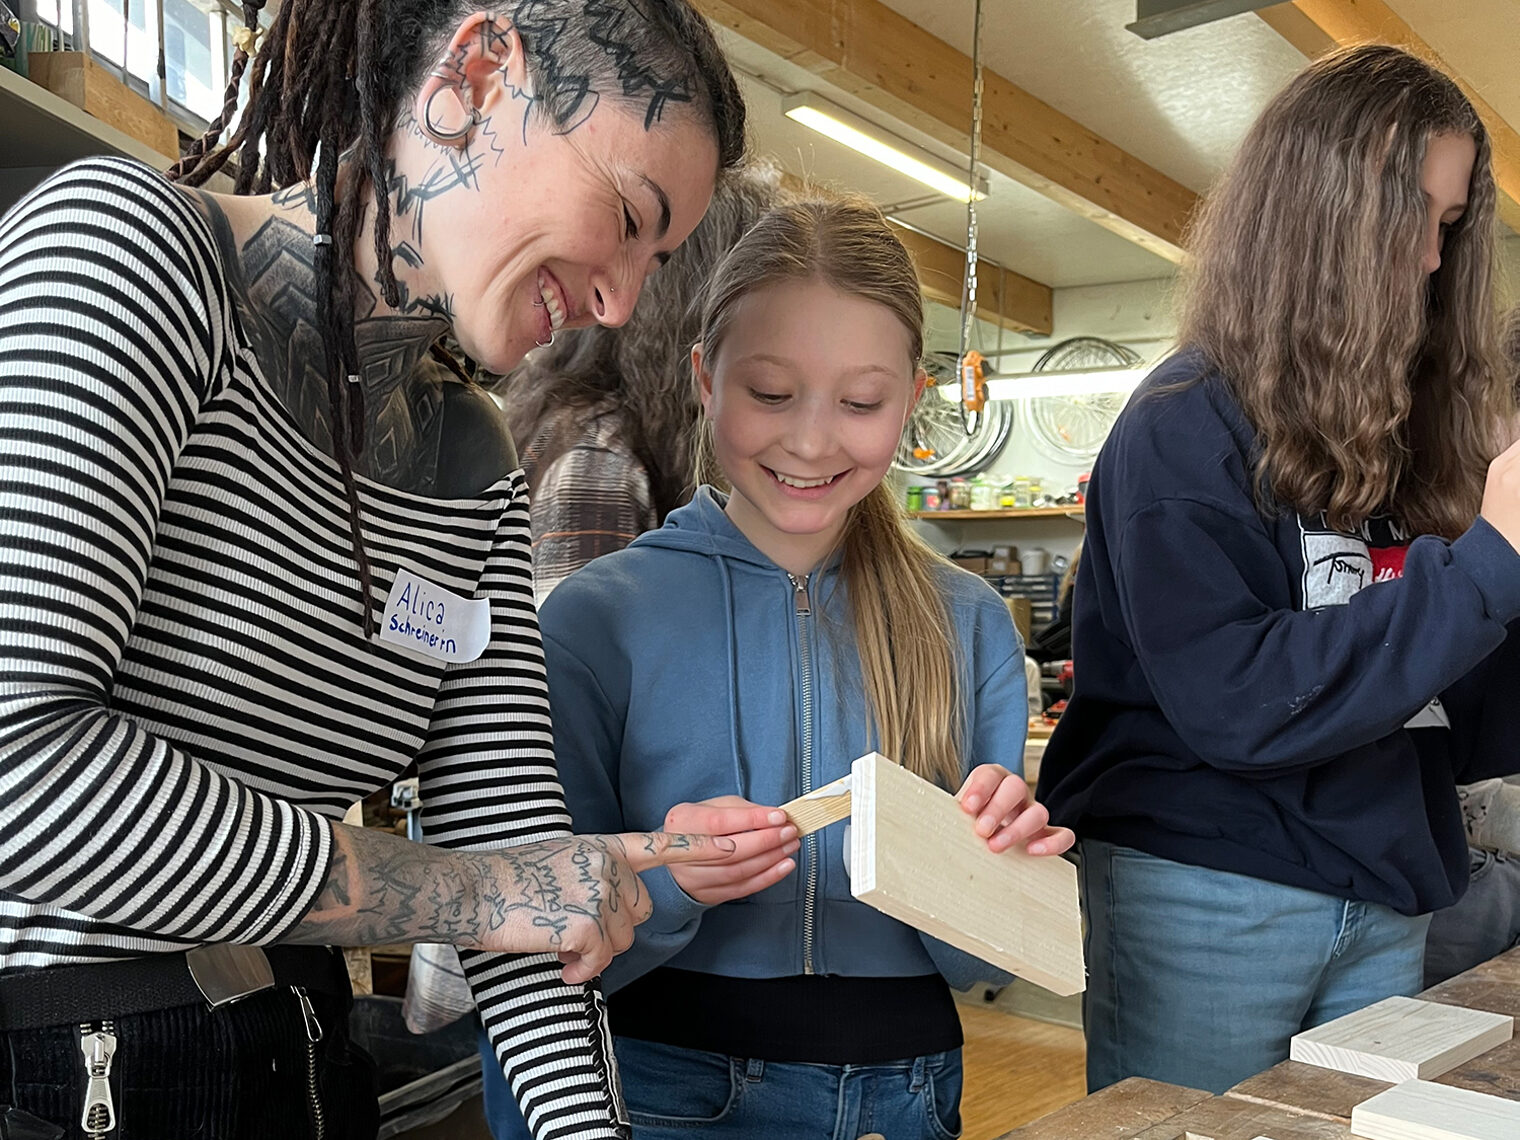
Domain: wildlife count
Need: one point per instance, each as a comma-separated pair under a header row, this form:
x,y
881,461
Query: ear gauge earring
x,y
444,136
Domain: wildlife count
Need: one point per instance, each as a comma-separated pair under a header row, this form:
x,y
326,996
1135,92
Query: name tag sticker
x,y
435,622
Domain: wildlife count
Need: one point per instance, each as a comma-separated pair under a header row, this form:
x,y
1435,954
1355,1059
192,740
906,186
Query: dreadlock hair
x,y
641,371
332,78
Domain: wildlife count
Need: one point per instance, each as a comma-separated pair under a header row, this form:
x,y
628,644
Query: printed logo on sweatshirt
x,y
1337,565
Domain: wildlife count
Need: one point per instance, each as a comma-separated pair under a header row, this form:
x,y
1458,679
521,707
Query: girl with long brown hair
x,y
745,654
1292,618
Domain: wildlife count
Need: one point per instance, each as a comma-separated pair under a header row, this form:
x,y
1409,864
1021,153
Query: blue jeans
x,y
1483,923
1201,977
673,1093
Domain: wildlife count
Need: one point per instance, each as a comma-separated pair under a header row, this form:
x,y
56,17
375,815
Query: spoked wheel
x,y
934,441
1071,429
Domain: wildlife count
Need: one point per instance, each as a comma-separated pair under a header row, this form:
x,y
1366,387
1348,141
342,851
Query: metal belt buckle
x,y
227,973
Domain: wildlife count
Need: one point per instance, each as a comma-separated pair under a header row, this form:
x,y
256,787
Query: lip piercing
x,y
544,343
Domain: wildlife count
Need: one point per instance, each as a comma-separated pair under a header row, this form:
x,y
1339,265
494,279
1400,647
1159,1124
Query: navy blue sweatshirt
x,y
1257,693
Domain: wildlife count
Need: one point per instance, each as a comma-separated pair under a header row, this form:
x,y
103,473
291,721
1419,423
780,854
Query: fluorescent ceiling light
x,y
1119,380
870,140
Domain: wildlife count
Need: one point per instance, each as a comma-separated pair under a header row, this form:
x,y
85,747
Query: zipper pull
x,y
313,1026
800,593
99,1048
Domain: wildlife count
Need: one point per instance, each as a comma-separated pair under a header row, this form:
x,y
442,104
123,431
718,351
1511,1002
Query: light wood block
x,y
914,856
77,78
820,807
1402,1039
1420,1110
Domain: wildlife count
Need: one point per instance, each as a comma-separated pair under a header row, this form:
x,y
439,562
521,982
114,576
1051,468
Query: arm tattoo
x,y
381,888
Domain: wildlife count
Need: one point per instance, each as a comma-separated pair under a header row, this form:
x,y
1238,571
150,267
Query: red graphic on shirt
x,y
1388,562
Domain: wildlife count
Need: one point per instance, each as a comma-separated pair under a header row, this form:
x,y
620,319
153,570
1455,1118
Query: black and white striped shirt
x,y
186,695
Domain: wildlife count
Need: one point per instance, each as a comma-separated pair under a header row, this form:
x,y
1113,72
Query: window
x,y
193,38
195,75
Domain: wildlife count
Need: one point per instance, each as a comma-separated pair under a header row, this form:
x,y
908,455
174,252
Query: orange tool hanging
x,y
973,381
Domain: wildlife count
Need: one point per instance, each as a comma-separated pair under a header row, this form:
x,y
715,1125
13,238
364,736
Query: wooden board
x,y
1402,1039
914,856
1308,1088
1221,1118
74,76
1421,1110
1119,1112
820,807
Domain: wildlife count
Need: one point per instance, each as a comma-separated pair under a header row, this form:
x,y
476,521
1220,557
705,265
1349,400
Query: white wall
x,y
1136,314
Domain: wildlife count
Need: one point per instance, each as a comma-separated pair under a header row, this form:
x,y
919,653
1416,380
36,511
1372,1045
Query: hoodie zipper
x,y
804,611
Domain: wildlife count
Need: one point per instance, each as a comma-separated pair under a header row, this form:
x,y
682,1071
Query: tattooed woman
x,y
251,570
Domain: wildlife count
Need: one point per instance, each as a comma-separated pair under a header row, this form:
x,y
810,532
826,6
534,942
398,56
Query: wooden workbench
x,y
1290,1101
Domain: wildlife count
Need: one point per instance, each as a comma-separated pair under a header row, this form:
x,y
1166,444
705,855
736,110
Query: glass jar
x,y
915,498
1021,496
983,495
932,501
960,495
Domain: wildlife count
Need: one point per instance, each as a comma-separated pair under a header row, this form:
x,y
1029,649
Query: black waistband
x,y
65,995
808,1018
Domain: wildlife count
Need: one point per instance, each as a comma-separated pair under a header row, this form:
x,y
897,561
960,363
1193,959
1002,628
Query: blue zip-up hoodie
x,y
1258,693
684,667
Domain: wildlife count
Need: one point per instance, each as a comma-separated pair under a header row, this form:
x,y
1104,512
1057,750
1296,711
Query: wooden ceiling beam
x,y
865,48
1316,26
1003,297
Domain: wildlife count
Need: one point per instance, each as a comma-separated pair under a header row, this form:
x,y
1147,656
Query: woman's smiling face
x,y
529,226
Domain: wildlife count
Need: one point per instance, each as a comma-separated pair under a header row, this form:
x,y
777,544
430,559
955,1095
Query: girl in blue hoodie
x,y
745,654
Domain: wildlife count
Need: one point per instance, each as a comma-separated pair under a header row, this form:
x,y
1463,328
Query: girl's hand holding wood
x,y
1006,815
763,842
